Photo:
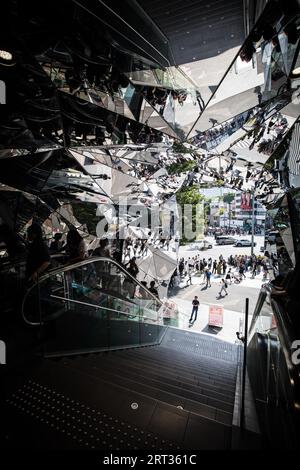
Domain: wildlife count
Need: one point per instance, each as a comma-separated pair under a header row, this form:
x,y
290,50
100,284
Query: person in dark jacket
x,y
38,258
195,304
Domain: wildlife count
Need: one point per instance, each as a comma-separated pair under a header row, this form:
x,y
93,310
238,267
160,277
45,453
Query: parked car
x,y
201,245
244,243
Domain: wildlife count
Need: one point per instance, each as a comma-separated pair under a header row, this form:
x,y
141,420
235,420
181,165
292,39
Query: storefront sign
x,y
215,315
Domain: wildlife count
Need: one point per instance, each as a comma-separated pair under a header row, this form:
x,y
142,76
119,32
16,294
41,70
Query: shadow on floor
x,y
214,330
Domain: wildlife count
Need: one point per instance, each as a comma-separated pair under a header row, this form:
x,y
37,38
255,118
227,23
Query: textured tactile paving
x,y
88,427
201,345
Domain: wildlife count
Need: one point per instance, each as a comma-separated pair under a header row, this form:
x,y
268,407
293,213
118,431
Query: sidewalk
x,y
231,321
248,282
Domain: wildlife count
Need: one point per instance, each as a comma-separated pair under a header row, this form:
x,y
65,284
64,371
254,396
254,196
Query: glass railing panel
x,y
273,377
263,320
93,305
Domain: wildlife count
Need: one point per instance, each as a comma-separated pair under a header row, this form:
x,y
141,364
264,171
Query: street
x,y
233,304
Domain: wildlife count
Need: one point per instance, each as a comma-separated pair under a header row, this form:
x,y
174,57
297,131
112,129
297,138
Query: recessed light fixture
x,y
5,55
296,71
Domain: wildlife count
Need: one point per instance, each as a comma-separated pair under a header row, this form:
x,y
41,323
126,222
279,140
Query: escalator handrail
x,y
285,336
69,267
87,304
260,301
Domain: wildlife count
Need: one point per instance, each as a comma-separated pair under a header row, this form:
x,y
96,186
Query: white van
x,y
225,240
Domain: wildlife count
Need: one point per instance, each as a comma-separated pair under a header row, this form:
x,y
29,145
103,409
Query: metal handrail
x,y
99,307
260,301
69,267
285,337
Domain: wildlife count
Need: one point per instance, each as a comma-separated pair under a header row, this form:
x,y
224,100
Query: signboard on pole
x,y
215,317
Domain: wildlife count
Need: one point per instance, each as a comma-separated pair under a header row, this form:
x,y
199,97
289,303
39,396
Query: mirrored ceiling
x,y
260,72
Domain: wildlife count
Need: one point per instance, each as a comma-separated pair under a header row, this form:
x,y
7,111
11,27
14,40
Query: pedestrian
x,y
224,286
208,276
228,277
195,304
189,274
153,289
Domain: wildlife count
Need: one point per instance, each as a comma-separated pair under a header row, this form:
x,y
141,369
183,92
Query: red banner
x,y
246,201
215,315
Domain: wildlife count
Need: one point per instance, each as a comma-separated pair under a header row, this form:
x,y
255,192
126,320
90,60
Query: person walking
x,y
224,286
214,267
228,277
195,304
208,276
189,275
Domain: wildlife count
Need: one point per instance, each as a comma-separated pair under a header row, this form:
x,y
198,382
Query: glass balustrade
x,y
274,378
93,305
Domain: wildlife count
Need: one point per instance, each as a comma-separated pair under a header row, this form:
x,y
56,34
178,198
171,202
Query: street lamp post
x,y
252,227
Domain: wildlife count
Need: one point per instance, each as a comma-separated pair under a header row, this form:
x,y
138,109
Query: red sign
x,y
215,315
246,201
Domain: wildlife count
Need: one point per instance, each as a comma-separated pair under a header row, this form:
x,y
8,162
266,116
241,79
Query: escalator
x,y
112,375
90,306
274,376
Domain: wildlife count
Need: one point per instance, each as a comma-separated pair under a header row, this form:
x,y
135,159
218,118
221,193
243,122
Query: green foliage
x,y
178,147
228,198
189,195
177,168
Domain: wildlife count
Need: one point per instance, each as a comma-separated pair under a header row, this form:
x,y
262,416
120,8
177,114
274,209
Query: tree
x,y
189,195
228,198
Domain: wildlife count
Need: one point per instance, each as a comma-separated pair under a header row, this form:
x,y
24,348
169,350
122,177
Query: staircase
x,y
178,395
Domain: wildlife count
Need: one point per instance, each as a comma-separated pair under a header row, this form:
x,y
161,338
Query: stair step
x,y
85,399
188,366
172,369
152,388
127,368
208,408
184,357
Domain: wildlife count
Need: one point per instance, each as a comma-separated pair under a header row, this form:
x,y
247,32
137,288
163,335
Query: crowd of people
x,y
216,134
230,270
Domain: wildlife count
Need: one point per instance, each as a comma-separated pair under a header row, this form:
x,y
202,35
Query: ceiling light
x,y
296,71
5,55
